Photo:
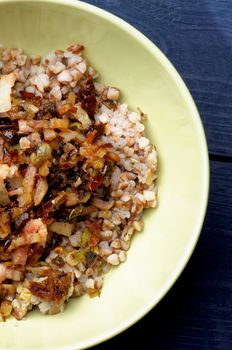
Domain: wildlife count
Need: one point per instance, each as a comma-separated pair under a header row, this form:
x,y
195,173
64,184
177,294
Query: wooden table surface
x,y
196,35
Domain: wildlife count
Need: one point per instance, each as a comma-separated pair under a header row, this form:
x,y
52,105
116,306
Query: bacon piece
x,y
6,83
19,255
35,231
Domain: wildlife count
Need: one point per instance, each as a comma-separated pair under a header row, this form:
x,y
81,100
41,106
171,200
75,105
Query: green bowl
x,y
127,59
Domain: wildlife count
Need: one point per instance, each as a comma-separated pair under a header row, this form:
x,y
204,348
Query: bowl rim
x,y
168,66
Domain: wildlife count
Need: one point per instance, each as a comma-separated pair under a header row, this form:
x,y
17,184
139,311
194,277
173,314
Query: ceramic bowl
x,y
127,59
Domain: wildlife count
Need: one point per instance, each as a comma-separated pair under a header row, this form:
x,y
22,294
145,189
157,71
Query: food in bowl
x,y
76,172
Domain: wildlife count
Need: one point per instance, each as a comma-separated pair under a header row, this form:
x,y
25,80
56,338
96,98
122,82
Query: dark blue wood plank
x,y
196,36
196,313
